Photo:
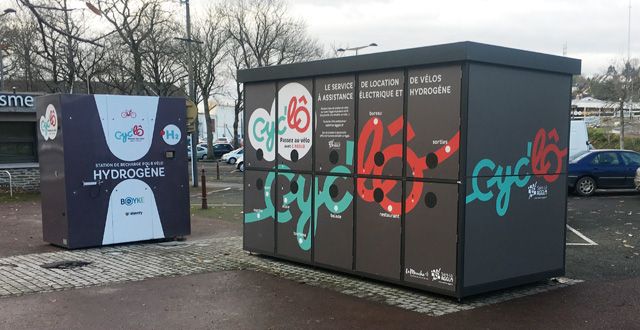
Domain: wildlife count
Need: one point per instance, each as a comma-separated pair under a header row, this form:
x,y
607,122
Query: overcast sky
x,y
593,30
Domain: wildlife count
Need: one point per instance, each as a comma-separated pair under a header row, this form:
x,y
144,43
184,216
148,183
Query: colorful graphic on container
x,y
262,133
380,121
294,206
543,158
295,132
433,105
49,123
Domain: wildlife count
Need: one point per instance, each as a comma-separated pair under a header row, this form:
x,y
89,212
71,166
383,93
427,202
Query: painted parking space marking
x,y
213,191
588,241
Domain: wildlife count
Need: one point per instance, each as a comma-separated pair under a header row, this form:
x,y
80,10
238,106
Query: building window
x,y
18,143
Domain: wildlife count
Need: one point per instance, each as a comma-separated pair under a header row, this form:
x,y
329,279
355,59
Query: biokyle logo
x,y
129,201
135,134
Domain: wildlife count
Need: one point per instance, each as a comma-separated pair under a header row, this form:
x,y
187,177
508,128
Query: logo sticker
x,y
171,134
136,134
262,132
49,123
538,191
294,140
128,201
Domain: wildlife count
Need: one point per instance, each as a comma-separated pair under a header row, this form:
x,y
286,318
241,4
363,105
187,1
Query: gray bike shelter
x,y
113,169
441,168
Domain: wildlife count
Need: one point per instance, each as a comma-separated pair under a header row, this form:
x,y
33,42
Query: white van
x,y
579,138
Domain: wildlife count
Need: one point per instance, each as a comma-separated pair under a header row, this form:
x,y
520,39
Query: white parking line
x,y
211,192
217,205
585,238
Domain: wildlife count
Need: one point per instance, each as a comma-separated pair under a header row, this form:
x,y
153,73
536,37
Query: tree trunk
x,y
207,119
622,124
236,142
236,116
137,74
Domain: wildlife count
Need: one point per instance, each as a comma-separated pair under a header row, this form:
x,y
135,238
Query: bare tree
x,y
208,57
264,34
60,41
42,9
619,84
23,62
91,63
161,61
267,34
114,72
238,93
134,21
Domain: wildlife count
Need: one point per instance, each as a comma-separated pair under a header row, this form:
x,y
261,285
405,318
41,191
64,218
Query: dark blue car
x,y
602,169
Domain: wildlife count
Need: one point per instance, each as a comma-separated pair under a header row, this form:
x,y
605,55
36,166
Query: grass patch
x,y
606,140
226,213
19,196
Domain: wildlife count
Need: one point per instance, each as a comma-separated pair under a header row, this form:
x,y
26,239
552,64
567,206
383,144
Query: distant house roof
x,y
593,103
590,102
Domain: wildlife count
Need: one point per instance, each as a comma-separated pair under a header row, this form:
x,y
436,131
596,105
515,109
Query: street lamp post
x,y
2,48
356,49
192,93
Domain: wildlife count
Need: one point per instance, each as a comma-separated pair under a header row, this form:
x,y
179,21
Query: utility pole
x,y
629,60
192,95
1,67
628,82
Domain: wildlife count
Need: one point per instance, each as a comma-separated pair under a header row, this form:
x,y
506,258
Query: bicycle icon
x,y
128,114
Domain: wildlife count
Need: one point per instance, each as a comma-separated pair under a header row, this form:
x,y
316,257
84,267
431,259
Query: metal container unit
x,y
441,168
113,169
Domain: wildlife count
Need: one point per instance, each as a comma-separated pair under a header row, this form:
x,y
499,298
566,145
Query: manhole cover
x,y
66,264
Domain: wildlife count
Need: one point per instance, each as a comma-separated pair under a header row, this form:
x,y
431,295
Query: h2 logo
x,y
171,134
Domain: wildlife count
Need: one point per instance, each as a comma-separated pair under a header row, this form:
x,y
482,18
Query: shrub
x,y
606,140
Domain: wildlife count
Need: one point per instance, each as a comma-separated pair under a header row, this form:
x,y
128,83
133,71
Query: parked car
x,y
232,156
221,149
240,163
223,140
201,153
602,169
637,179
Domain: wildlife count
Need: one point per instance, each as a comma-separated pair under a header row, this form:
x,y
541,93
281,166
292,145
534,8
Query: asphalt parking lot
x,y
602,251
611,219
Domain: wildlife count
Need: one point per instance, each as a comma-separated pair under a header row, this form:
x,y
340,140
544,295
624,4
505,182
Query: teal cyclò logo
x,y
538,161
325,196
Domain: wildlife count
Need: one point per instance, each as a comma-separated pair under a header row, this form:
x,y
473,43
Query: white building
x,y
222,116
